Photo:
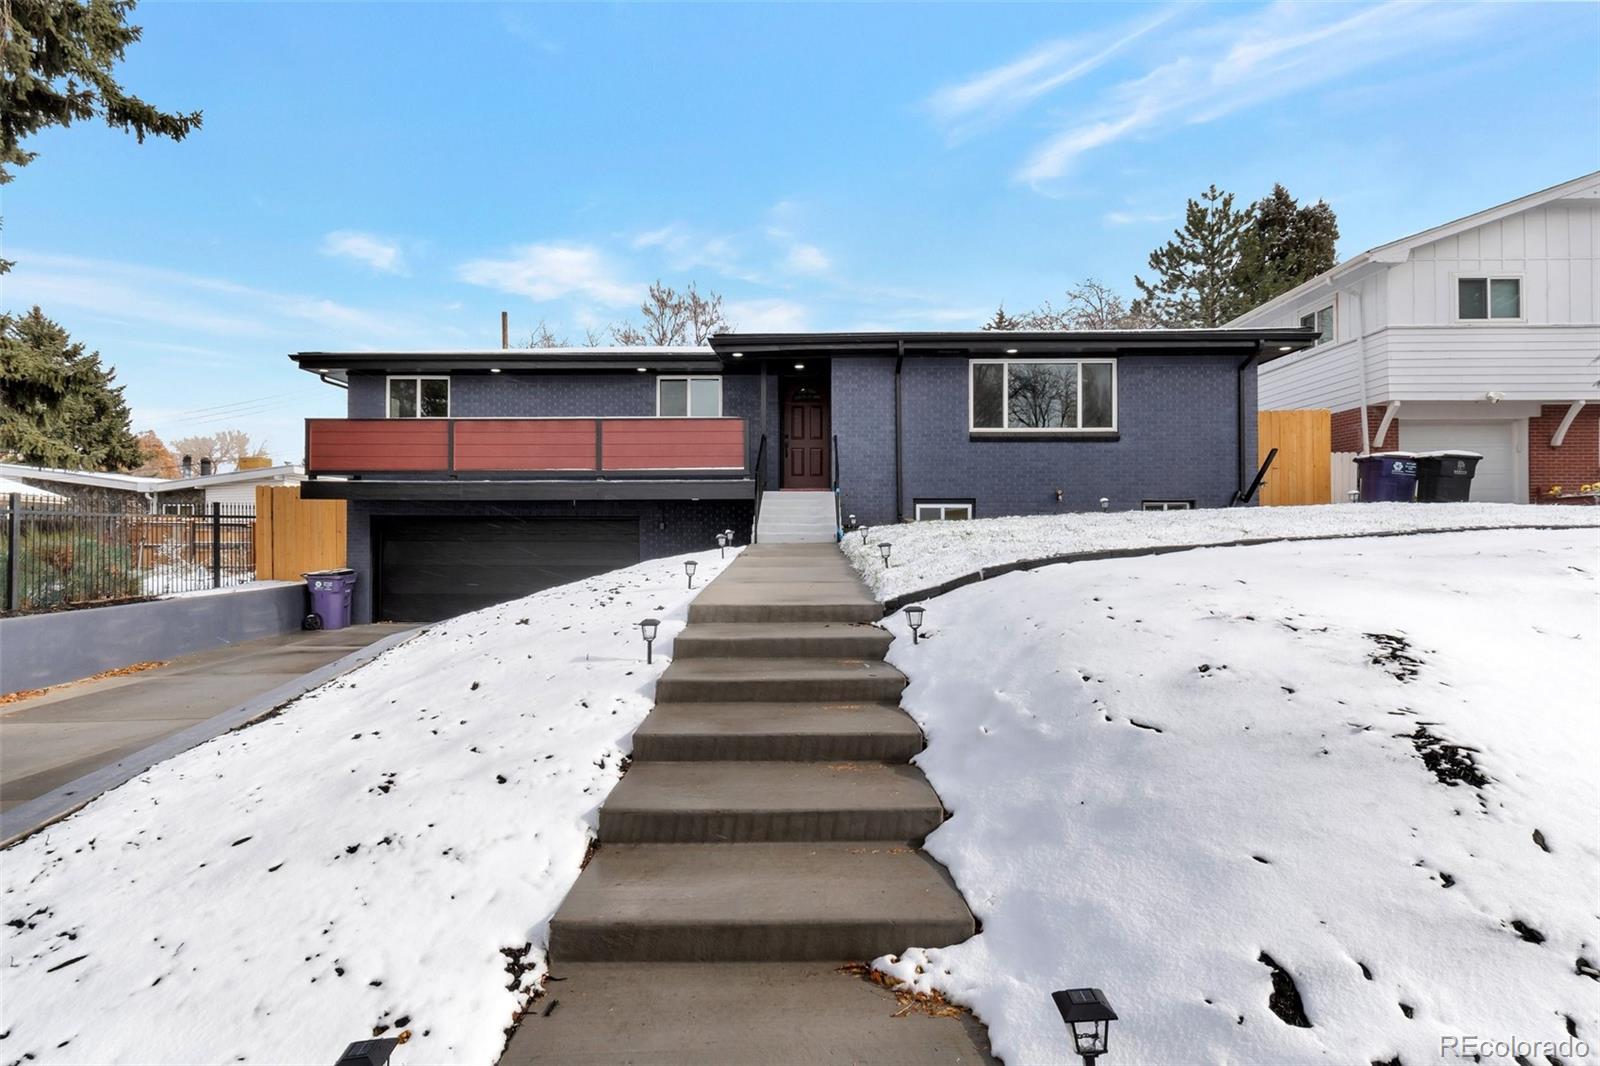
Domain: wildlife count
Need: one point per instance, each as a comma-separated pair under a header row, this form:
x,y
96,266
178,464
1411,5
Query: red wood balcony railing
x,y
553,447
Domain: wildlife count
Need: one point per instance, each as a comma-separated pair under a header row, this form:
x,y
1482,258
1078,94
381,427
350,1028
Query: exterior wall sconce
x,y
688,568
914,620
883,550
647,629
1088,1014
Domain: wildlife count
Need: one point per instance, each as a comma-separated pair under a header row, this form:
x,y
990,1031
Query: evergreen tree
x,y
1001,320
58,406
1196,275
1285,244
57,57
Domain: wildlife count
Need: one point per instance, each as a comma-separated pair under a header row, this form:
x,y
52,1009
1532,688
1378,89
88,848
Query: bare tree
x,y
1091,304
223,446
544,337
672,318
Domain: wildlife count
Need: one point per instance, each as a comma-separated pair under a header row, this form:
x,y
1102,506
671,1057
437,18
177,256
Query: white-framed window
x,y
1484,298
1168,505
419,396
943,510
1042,396
1322,321
180,508
689,397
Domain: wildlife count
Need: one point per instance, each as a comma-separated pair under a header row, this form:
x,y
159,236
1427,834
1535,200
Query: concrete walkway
x,y
61,749
765,835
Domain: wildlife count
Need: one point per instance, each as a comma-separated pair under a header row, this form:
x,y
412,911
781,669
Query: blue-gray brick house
x,y
476,476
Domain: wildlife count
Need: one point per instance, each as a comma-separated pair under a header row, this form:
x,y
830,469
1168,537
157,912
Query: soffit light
x,y
738,355
1011,351
1286,348
799,366
494,370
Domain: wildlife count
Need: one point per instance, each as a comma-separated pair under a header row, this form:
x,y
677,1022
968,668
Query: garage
x,y
1496,480
433,568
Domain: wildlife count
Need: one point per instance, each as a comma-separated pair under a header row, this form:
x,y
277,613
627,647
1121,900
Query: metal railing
x,y
59,554
761,486
838,501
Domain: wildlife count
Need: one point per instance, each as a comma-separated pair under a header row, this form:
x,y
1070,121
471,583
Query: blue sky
x,y
394,175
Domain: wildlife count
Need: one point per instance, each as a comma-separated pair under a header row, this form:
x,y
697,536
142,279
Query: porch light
x,y
914,620
688,568
722,544
1088,1013
883,550
647,629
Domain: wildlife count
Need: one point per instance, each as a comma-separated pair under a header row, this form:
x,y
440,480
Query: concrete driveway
x,y
68,734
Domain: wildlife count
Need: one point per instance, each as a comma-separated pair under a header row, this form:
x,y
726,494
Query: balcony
x,y
528,458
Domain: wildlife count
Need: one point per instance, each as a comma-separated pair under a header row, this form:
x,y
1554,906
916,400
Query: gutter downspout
x,y
326,380
1239,427
899,493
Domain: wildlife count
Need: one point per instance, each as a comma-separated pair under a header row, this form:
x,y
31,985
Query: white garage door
x,y
1495,480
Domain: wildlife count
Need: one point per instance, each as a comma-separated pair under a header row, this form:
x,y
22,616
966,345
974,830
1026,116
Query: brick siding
x,y
1575,463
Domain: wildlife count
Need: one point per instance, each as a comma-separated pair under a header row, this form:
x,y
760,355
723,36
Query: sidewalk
x,y
61,749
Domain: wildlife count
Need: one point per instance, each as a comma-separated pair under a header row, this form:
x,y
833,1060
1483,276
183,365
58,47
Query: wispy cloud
x,y
546,272
767,315
808,259
1001,91
1135,218
376,252
1187,72
685,249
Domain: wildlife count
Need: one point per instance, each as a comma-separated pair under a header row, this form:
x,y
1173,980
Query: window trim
x,y
449,400
917,506
1332,307
1166,505
1488,297
687,393
1034,431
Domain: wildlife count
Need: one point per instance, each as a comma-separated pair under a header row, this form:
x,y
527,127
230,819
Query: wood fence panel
x,y
1301,473
295,535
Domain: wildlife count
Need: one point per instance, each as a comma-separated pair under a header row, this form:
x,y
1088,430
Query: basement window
x,y
419,397
943,510
1168,505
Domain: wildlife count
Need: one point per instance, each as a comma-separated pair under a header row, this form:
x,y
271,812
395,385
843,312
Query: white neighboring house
x,y
1481,334
159,495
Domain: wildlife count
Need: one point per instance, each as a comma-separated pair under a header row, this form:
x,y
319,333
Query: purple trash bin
x,y
331,592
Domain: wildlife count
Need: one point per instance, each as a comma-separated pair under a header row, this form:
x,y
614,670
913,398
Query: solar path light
x,y
1088,1014
722,544
883,550
647,629
914,619
688,568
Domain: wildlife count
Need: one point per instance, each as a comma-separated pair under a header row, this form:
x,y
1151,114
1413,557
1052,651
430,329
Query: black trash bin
x,y
1386,477
331,592
1446,477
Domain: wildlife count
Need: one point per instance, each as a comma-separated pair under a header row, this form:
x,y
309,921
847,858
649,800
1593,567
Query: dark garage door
x,y
432,568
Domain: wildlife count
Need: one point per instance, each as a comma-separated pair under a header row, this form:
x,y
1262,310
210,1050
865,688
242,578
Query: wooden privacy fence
x,y
1301,472
295,535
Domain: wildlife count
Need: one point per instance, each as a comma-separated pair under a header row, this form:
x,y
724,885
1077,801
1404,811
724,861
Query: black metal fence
x,y
60,554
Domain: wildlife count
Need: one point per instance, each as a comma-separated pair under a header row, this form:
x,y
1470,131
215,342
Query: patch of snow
x,y
1168,775
925,554
363,861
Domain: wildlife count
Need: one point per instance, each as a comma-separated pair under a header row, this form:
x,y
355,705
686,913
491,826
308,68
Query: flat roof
x,y
726,349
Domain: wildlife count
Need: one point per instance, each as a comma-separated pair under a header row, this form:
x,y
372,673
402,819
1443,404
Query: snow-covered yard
x,y
1368,766
925,554
382,856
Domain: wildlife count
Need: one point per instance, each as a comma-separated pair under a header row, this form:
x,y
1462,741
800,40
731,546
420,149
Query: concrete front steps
x,y
770,816
793,517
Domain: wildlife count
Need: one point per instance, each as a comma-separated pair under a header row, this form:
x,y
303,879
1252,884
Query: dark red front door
x,y
805,435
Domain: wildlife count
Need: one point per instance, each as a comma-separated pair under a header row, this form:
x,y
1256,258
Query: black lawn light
x,y
850,522
1105,503
688,568
368,1052
1088,1013
647,629
914,620
883,550
722,544
864,531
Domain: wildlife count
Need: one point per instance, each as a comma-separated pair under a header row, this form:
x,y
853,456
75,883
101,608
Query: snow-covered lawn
x,y
1373,762
385,854
925,554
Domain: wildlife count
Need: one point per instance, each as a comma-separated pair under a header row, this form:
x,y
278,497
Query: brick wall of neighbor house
x,y
1575,463
1177,440
665,528
1347,429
